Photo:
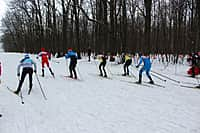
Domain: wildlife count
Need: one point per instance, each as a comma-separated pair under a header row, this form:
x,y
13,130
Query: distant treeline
x,y
115,26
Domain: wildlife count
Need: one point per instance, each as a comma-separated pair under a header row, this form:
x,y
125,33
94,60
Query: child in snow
x,y
73,61
127,63
146,67
27,64
45,60
102,64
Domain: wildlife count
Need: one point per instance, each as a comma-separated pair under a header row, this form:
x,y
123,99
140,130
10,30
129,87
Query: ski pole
x,y
132,72
109,70
166,77
21,96
41,87
158,77
96,65
79,73
133,75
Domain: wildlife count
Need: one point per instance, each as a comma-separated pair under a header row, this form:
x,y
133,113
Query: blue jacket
x,y
146,61
26,63
72,55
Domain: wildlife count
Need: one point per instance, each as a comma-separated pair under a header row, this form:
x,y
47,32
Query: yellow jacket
x,y
127,57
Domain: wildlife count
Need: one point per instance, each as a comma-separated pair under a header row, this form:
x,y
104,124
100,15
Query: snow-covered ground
x,y
95,104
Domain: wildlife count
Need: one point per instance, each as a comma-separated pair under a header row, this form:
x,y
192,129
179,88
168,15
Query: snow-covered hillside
x,y
98,105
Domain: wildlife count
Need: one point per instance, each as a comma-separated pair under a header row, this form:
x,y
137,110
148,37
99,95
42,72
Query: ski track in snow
x,y
96,104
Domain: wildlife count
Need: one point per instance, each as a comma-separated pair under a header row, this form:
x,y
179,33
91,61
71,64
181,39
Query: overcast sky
x,y
3,7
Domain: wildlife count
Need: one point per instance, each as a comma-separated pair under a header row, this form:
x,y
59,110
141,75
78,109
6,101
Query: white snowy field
x,y
95,104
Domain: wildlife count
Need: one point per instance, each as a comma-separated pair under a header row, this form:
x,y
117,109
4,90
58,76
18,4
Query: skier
x,y
146,67
27,64
193,59
73,61
127,63
102,64
89,53
45,57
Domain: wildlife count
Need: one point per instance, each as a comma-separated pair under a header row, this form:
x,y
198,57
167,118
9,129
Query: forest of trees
x,y
115,26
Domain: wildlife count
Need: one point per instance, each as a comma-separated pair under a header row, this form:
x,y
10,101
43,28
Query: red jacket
x,y
44,55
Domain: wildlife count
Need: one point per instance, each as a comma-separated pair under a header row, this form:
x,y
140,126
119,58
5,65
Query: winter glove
x,y
137,66
18,74
35,71
37,57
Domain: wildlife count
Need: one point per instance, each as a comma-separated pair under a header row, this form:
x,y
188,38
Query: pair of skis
x,y
20,95
146,84
193,87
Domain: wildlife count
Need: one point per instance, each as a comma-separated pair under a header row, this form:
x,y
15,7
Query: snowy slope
x,y
98,105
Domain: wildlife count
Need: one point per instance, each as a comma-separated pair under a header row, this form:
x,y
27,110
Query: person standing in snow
x,y
146,67
127,63
102,65
27,64
45,60
73,61
89,54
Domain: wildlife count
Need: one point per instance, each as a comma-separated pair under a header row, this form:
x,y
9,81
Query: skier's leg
x,y
70,69
74,70
24,72
193,71
128,64
51,71
127,71
124,70
148,75
101,74
43,63
30,80
105,75
42,72
140,74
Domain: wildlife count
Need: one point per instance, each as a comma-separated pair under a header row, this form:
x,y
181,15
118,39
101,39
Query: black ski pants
x,y
102,65
126,65
24,73
72,70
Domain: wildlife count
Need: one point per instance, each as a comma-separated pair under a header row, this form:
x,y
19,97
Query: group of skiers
x,y
145,59
29,66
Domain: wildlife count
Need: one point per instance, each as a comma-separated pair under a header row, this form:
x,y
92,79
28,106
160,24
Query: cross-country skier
x,y
146,67
127,63
73,61
27,64
89,54
45,60
102,65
